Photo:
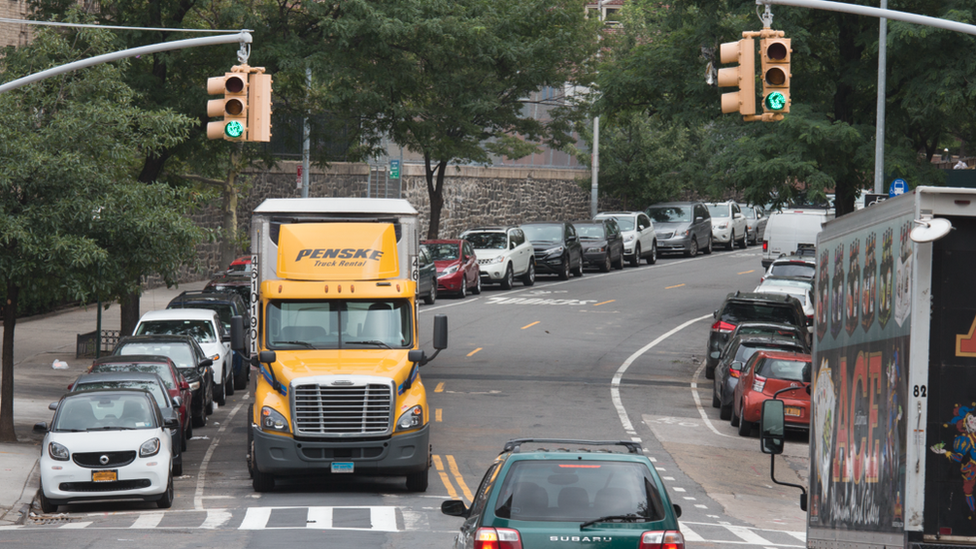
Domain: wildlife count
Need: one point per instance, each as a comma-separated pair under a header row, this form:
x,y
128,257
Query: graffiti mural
x,y
869,283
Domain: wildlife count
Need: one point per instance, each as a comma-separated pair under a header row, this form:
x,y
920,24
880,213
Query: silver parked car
x,y
755,222
684,227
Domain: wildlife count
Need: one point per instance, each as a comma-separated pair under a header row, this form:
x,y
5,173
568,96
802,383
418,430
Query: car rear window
x,y
736,312
162,370
578,490
793,269
789,370
746,350
200,330
487,241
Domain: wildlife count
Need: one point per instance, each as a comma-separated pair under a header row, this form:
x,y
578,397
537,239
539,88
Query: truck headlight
x,y
411,419
272,420
57,451
149,448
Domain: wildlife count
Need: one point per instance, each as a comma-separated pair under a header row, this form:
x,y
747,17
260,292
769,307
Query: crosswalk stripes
x,y
382,519
740,535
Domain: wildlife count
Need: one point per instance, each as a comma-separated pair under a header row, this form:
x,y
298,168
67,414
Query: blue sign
x,y
898,186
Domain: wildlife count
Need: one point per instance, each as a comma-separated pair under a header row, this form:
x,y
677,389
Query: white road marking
x,y
201,476
216,518
698,404
147,520
688,533
748,535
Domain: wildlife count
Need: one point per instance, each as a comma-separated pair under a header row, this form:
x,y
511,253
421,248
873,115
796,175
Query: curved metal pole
x,y
876,12
243,37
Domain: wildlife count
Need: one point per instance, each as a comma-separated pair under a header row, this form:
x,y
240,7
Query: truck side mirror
x,y
771,427
267,357
440,332
237,333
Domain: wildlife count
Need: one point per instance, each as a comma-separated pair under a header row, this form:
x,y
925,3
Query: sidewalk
x,y
38,342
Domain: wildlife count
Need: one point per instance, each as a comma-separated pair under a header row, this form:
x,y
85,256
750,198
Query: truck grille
x,y
327,410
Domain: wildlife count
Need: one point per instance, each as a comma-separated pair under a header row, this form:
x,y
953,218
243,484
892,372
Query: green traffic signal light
x,y
775,101
234,129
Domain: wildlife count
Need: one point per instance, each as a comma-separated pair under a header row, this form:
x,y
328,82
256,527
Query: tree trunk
x,y
129,310
7,433
435,191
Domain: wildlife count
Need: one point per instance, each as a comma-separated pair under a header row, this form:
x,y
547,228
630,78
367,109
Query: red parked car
x,y
161,366
457,266
765,373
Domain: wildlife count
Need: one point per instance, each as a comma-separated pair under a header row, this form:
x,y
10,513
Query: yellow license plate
x,y
794,411
105,476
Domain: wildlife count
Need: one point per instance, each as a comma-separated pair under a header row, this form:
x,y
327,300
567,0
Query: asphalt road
x,y
605,356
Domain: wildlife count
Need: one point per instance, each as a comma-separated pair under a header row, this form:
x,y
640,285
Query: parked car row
x,y
120,431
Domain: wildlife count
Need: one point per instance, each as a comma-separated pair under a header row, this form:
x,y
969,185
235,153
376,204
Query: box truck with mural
x,y
893,420
334,330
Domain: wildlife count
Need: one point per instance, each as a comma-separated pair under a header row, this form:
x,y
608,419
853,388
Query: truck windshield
x,y
340,324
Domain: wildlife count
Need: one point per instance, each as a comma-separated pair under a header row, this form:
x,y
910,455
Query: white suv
x,y
640,238
503,253
728,224
205,327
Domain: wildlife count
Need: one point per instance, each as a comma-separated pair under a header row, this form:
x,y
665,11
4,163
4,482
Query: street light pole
x,y
595,156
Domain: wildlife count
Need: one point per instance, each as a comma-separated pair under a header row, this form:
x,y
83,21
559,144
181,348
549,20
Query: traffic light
x,y
743,76
233,107
775,58
259,107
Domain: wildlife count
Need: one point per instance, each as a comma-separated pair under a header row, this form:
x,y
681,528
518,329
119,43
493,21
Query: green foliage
x,y
74,223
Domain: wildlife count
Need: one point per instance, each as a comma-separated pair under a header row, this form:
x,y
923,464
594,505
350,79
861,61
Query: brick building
x,y
13,34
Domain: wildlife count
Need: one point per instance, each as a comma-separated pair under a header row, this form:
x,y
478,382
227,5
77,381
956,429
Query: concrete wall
x,y
473,196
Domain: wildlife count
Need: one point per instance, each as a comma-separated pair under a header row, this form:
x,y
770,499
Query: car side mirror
x,y
677,510
715,313
177,401
52,406
172,423
736,365
512,245
771,427
454,508
205,363
40,427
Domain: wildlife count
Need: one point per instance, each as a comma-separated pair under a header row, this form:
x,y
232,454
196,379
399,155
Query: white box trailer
x,y
893,416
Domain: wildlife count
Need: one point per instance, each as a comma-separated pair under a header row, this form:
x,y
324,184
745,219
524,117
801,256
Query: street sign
x,y
870,199
394,169
298,178
898,186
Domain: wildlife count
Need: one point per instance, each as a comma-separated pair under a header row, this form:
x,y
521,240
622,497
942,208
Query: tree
x,y
75,223
449,79
655,67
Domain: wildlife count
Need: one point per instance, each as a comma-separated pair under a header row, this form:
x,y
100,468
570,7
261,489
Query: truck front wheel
x,y
262,482
417,482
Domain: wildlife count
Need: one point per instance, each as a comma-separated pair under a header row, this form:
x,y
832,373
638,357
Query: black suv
x,y
741,306
190,360
228,305
557,248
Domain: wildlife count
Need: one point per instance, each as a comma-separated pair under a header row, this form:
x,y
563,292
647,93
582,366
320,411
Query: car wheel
x,y
166,501
240,378
605,268
731,245
744,243
708,249
652,259
578,271
477,286
431,296
219,395
745,427
528,279
692,250
619,264
201,419
464,288
709,372
178,466
509,279
564,269
47,507
229,384
210,402
183,440
735,416
725,412
189,425
635,261
716,402
417,482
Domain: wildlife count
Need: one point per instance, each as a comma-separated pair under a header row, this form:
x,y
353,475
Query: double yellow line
x,y
456,473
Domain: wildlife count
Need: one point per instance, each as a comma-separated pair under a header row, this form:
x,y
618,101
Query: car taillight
x,y
668,539
497,538
758,383
723,327
765,245
735,373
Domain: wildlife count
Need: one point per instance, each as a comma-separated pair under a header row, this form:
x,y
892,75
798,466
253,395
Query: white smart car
x,y
203,325
109,444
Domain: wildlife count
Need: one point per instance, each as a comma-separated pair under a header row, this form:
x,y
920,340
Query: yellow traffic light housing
x,y
743,76
233,107
775,56
259,107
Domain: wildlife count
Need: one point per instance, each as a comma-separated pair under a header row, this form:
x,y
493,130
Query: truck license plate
x,y
342,467
105,476
793,411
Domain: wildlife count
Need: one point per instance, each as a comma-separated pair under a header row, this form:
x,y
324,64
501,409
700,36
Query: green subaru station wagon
x,y
600,493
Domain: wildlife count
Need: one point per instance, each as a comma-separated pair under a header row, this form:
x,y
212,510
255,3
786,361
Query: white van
x,y
790,230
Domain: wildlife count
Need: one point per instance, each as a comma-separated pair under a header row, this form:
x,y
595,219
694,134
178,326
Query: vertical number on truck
x,y
919,391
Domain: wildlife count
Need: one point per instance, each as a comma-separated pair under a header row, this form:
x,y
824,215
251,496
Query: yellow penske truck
x,y
334,334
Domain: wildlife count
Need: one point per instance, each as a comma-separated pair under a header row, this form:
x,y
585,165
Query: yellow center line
x,y
474,351
747,272
460,480
604,302
439,465
439,388
671,287
531,325
438,415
